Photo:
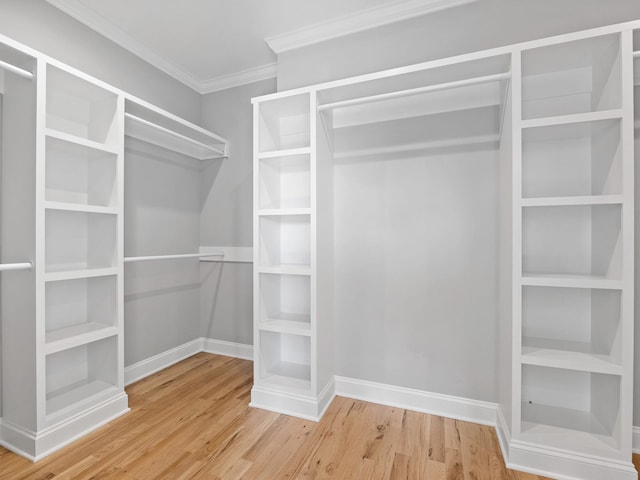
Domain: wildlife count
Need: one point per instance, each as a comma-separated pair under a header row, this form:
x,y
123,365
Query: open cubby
x,y
285,240
79,240
573,77
284,123
80,375
572,320
285,301
579,159
76,307
79,108
285,360
285,182
80,175
570,409
572,240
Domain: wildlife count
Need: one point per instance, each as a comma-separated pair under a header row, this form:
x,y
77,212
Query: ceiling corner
x,y
79,11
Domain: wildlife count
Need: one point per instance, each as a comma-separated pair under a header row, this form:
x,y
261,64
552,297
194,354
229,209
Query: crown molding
x,y
96,22
358,22
239,78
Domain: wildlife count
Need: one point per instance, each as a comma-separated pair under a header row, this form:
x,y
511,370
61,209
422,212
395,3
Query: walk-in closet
x,y
385,265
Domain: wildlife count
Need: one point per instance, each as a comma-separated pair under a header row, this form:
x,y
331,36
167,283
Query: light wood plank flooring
x,y
192,421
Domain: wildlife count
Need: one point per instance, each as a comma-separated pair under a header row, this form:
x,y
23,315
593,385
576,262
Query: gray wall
x,y
227,209
478,26
38,25
162,216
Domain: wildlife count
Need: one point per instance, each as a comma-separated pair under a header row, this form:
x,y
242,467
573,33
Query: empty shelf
x,y
71,273
287,323
80,141
566,201
150,132
77,207
59,401
573,118
70,337
568,355
574,281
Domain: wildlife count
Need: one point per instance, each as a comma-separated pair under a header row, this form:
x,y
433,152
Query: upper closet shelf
x,y
160,128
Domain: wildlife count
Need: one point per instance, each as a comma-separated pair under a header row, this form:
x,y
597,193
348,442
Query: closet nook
x,y
557,114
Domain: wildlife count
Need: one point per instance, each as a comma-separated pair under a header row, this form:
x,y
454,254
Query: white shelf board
x,y
286,382
83,392
573,118
147,131
285,270
289,152
70,337
77,207
569,430
271,212
62,273
571,281
284,324
49,132
567,355
580,200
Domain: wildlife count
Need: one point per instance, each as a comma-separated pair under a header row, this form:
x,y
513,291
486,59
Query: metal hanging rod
x,y
16,70
417,91
6,267
172,257
636,54
175,134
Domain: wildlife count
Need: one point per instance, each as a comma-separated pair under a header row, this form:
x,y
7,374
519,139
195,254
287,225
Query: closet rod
x,y
175,134
172,257
417,91
16,70
5,267
636,54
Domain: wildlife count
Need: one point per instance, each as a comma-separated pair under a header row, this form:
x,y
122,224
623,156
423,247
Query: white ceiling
x,y
214,44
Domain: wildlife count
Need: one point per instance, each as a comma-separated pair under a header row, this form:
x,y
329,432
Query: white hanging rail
x,y
5,267
171,257
636,54
184,138
416,91
16,70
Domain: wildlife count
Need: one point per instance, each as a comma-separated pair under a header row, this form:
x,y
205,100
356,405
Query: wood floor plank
x,y
192,422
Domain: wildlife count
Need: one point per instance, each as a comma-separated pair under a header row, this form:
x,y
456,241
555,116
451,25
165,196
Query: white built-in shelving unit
x,y
63,145
292,350
559,114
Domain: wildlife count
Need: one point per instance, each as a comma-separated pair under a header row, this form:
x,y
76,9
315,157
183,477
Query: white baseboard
x,y
158,362
301,406
34,446
228,349
475,411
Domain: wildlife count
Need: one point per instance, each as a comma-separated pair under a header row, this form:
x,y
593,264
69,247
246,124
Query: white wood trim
x,y
552,463
228,349
231,254
358,22
449,406
34,446
244,77
158,362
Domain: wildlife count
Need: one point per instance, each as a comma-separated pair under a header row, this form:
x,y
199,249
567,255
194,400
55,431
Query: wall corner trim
x,y
358,22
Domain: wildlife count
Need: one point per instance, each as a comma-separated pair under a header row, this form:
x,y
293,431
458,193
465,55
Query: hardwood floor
x,y
192,421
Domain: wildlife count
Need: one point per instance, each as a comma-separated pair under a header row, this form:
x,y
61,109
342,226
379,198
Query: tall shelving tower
x,y
293,258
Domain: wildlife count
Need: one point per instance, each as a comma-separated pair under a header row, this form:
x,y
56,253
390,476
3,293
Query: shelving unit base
x,y
298,405
35,446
